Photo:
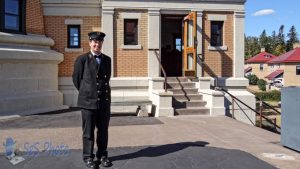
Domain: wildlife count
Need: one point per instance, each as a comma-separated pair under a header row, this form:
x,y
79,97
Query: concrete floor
x,y
244,146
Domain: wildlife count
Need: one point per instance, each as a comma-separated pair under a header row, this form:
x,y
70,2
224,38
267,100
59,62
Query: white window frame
x,y
74,22
132,15
215,17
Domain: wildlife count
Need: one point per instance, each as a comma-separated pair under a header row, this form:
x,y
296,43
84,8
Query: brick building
x,y
209,47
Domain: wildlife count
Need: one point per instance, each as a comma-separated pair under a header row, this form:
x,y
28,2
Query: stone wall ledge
x,y
14,54
31,39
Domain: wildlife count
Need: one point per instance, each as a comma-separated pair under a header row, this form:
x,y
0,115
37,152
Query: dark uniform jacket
x,y
92,81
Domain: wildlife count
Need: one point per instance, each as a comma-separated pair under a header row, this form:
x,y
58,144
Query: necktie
x,y
98,59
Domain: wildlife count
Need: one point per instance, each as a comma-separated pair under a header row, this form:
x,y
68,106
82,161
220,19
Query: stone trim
x,y
215,5
73,49
132,47
130,15
214,17
218,48
73,21
37,40
71,8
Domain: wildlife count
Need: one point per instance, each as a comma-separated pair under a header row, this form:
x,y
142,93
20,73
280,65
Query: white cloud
x,y
263,12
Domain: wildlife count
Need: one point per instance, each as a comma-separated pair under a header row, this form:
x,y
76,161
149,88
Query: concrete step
x,y
181,85
118,99
188,104
129,106
187,97
184,91
192,111
177,79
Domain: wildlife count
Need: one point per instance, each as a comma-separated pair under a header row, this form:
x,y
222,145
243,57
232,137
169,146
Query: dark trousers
x,y
90,119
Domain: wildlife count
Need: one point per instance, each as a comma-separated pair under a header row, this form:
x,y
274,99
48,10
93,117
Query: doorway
x,y
171,44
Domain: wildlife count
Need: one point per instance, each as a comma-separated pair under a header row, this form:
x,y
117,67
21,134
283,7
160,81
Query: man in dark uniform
x,y
91,77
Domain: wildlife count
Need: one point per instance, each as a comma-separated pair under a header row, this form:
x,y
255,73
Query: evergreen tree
x,y
264,41
281,36
252,46
293,38
273,40
280,47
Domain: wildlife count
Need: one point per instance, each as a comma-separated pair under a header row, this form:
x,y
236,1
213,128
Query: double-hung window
x,y
297,70
12,16
130,31
74,36
216,33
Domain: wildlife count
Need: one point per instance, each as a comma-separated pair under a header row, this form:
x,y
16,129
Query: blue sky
x,y
270,14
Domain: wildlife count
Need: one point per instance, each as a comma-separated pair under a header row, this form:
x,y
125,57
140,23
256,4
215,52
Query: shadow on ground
x,y
184,155
64,119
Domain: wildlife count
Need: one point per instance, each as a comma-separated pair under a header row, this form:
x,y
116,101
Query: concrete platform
x,y
174,142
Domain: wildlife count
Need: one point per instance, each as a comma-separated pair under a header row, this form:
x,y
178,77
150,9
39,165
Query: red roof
x,y
274,74
291,56
262,57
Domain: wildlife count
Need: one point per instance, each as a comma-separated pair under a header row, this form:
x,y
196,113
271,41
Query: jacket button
x,y
98,91
97,76
98,99
104,76
106,91
105,83
97,84
106,99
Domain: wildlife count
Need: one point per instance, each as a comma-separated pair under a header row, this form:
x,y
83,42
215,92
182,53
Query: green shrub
x,y
252,79
262,84
273,95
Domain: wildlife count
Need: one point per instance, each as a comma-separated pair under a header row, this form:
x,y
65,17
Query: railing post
x,y
232,107
260,113
161,68
275,123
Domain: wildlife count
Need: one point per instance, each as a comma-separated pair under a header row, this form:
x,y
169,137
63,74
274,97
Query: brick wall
x,y
220,63
56,29
34,17
130,63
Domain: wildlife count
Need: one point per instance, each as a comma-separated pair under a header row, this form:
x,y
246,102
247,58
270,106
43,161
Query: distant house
x,y
286,66
258,64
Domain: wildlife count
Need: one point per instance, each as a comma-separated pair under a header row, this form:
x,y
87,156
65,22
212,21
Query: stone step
x,y
184,91
192,111
188,104
121,99
181,85
177,79
187,97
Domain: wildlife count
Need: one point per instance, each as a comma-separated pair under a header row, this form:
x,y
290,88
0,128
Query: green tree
x,y
264,41
273,40
252,79
251,46
280,47
293,38
262,84
281,36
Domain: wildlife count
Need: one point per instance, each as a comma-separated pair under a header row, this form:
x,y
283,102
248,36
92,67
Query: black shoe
x,y
105,162
90,163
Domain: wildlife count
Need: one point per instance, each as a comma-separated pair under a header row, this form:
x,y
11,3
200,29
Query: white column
x,y
108,29
200,45
154,38
239,51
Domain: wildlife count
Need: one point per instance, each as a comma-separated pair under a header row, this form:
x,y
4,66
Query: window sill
x,y
73,49
132,47
218,48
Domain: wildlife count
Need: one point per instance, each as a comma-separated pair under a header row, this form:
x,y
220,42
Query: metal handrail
x,y
233,97
219,88
265,103
161,68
